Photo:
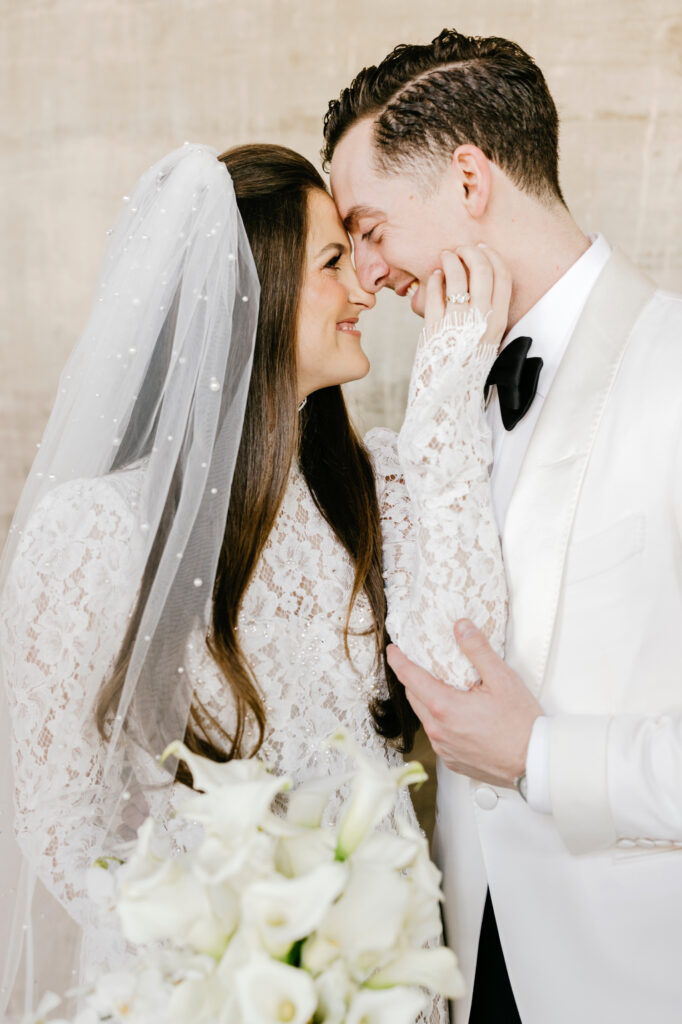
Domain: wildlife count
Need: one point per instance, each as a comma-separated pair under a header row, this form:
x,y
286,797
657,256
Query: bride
x,y
205,548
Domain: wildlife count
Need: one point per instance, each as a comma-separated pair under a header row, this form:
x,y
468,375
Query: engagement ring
x,y
460,297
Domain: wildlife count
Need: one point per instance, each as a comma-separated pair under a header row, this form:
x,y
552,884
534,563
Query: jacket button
x,y
485,797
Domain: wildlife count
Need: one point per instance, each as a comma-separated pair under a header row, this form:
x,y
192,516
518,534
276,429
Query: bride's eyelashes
x,y
333,263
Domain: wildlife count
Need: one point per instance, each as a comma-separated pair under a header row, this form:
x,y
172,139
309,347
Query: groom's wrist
x,y
538,794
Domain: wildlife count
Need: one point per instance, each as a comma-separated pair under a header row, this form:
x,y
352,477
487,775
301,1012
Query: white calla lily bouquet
x,y
277,919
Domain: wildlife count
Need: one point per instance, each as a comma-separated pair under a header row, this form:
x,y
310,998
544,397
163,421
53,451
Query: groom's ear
x,y
473,178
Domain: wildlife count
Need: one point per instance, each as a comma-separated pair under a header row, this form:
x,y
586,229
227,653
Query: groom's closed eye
x,y
352,219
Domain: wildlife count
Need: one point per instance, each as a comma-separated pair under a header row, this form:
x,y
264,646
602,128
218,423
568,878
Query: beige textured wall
x,y
92,91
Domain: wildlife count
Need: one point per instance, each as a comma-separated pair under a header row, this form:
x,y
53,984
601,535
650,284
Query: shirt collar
x,y
551,321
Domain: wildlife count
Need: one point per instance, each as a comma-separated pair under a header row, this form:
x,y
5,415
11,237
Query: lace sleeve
x,y
64,611
442,558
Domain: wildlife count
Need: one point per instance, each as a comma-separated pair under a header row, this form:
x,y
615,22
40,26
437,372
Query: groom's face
x,y
398,227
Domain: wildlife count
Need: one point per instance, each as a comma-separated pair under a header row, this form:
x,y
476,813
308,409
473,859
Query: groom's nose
x,y
373,271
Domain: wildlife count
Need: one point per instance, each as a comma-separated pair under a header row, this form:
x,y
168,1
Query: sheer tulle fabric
x,y
157,384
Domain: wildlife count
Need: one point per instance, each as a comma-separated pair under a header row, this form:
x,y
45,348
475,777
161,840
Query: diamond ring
x,y
459,298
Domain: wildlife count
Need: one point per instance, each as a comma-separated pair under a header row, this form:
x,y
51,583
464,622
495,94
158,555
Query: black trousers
x,y
493,1000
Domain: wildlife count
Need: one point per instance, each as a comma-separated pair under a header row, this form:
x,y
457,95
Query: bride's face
x,y
328,347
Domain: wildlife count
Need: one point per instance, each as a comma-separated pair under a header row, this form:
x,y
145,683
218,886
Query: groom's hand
x,y
482,732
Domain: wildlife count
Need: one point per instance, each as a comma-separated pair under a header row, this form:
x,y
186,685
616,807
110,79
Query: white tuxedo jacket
x,y
588,900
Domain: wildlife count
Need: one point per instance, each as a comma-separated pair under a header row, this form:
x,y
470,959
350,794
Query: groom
x,y
559,824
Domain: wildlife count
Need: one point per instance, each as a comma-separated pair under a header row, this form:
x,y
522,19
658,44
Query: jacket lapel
x,y
542,509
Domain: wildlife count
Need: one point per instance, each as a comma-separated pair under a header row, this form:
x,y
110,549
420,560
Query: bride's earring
x,y
303,403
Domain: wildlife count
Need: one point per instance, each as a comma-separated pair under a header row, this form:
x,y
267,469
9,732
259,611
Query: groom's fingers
x,y
475,645
420,710
430,697
398,661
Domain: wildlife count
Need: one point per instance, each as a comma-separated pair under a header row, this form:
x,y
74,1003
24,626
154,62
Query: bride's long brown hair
x,y
272,184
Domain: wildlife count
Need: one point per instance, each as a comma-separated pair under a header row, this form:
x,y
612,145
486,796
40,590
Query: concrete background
x,y
93,91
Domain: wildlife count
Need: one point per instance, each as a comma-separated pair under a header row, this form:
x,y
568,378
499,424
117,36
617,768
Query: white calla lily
x,y
160,899
209,776
269,992
214,865
201,999
386,848
299,853
244,944
394,1006
363,925
423,923
335,992
423,919
354,907
235,795
225,904
307,803
139,995
424,872
233,813
319,953
435,969
374,793
284,910
237,861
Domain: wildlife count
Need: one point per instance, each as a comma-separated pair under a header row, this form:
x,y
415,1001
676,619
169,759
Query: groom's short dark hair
x,y
428,100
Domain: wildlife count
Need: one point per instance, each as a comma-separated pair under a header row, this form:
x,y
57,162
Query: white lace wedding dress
x,y
70,594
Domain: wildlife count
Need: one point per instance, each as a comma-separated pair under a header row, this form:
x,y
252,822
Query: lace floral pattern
x,y
74,579
441,543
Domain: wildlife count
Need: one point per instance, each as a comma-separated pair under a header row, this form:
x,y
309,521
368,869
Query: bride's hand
x,y
477,275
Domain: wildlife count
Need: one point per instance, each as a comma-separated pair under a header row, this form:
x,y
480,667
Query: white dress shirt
x,y
550,323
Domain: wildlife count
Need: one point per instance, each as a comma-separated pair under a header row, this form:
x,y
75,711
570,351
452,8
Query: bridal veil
x,y
157,383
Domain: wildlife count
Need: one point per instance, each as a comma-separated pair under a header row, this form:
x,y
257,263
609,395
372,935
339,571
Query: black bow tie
x,y
516,378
